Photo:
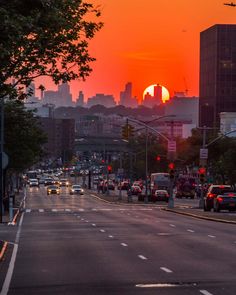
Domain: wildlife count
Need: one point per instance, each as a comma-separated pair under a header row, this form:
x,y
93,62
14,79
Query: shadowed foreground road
x,y
80,245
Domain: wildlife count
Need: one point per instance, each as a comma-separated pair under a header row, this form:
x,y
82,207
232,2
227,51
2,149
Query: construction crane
x,y
186,87
230,4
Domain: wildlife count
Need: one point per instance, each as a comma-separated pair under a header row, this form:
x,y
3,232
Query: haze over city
x,y
149,42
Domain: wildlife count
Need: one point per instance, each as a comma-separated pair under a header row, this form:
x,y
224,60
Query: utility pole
x,y
203,163
1,157
146,165
172,177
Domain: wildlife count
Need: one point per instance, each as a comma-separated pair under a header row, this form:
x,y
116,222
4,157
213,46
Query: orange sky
x,y
148,42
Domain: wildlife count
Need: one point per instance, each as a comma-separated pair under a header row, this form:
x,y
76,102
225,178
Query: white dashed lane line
x,y
93,224
165,269
54,210
205,292
110,236
124,245
190,230
102,231
210,236
28,210
41,210
172,225
142,257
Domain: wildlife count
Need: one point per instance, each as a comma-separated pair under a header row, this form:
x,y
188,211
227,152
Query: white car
x,y
76,189
33,182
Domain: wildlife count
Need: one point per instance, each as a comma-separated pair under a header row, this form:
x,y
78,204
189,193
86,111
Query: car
x,y
48,181
33,182
161,195
53,189
226,201
110,184
136,189
76,189
64,182
124,185
213,191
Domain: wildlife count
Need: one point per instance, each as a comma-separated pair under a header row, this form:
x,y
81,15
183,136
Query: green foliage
x,y
44,38
23,136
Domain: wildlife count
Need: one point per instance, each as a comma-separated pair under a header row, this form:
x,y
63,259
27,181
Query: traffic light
x,y
171,170
127,131
109,169
202,173
158,158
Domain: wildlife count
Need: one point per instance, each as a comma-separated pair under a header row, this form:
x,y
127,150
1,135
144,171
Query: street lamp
x,y
146,145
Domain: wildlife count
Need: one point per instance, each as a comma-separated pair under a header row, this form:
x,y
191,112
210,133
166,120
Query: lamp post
x,y
145,124
1,157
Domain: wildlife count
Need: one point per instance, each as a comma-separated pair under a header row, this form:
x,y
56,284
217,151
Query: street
x,y
82,245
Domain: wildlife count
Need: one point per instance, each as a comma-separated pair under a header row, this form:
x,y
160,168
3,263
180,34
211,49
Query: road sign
x,y
5,160
171,146
203,153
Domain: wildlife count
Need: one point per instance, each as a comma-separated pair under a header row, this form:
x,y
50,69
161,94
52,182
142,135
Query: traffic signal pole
x,y
172,173
203,163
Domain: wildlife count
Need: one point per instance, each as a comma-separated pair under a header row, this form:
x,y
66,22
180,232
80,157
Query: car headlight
x,y
82,191
72,190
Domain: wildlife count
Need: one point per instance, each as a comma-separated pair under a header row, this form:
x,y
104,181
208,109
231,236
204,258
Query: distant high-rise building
x,y
80,100
106,100
126,98
60,98
217,73
157,94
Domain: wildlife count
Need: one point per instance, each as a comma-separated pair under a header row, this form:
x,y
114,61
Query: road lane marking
x,y
166,269
210,236
93,224
54,210
205,292
111,236
28,210
68,210
41,210
81,210
124,245
190,230
7,282
142,257
102,231
163,234
172,225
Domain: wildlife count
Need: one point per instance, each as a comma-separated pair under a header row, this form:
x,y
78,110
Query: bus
x,y
159,180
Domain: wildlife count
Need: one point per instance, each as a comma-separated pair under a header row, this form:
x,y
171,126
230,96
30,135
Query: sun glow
x,y
150,90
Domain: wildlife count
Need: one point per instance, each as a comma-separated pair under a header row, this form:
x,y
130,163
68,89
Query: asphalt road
x,y
81,245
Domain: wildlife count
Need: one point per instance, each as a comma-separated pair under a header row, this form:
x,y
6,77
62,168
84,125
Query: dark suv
x,y
213,191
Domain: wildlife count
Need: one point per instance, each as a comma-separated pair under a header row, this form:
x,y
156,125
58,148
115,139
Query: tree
x,y
24,139
44,38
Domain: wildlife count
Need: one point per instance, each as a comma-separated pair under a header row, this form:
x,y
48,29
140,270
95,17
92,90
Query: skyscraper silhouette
x,y
217,73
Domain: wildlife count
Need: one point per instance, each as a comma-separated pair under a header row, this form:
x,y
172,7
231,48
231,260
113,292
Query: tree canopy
x,y
44,38
23,136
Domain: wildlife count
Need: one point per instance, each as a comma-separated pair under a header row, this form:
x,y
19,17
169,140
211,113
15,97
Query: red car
x,y
136,190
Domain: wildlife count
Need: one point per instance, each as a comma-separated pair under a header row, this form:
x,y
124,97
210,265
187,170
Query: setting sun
x,y
150,90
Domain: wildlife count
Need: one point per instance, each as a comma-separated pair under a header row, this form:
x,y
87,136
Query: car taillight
x,y
231,195
211,195
220,199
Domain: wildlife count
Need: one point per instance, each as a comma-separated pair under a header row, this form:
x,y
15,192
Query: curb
x,y
4,248
200,216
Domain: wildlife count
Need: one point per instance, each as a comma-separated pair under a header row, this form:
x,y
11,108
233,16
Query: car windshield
x,y
53,187
76,186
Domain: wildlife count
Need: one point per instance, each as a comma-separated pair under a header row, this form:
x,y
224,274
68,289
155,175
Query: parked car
x,y
110,184
125,185
64,182
213,191
136,189
33,182
226,201
76,189
53,189
161,195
